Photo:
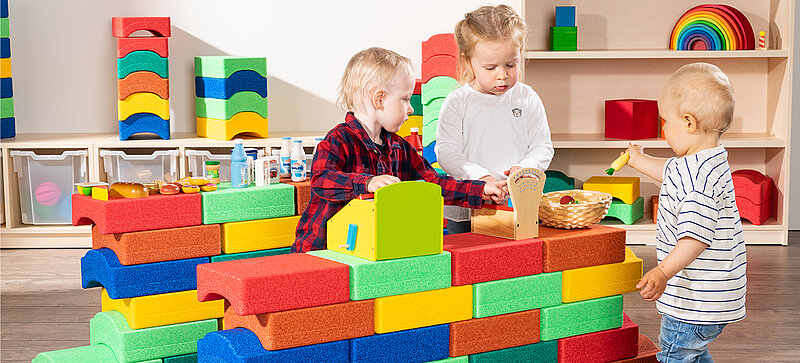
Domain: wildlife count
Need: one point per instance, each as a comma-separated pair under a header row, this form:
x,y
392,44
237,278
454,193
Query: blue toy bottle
x,y
239,171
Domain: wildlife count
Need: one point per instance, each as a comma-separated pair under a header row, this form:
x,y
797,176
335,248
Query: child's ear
x,y
378,98
691,123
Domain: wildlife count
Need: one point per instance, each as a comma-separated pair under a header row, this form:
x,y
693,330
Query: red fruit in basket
x,y
567,199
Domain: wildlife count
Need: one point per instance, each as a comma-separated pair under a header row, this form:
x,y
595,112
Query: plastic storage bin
x,y
121,167
46,183
197,162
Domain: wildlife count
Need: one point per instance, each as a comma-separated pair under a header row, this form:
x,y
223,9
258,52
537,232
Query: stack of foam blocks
x,y
142,75
439,78
145,260
7,121
384,292
415,119
628,204
564,36
231,96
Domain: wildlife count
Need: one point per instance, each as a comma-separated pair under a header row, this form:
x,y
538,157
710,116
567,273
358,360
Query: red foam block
x,y
753,195
153,44
133,248
120,215
417,87
439,65
439,44
123,27
478,258
601,346
631,119
566,249
274,283
647,351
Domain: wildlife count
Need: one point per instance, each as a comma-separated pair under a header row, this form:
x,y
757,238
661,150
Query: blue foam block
x,y
3,8
242,345
101,267
429,154
6,90
143,122
565,15
5,48
415,345
224,88
7,128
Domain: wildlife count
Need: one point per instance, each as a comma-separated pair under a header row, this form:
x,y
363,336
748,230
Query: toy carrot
x,y
618,163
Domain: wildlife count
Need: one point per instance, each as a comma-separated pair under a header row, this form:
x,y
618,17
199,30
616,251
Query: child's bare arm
x,y
654,281
646,164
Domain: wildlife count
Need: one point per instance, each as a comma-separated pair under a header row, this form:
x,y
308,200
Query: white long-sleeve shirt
x,y
481,134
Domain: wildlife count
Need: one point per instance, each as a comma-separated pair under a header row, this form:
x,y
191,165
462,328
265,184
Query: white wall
x,y
794,177
64,57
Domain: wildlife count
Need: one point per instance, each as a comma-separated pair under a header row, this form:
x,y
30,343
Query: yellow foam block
x,y
413,121
604,280
623,188
164,309
426,308
249,123
259,234
143,102
5,67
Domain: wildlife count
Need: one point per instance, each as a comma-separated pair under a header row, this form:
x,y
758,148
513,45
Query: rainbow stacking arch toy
x,y
712,27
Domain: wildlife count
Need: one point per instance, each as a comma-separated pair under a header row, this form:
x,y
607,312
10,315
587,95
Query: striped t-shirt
x,y
697,200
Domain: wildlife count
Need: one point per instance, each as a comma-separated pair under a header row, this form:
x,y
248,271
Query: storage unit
x,y
46,183
126,167
196,161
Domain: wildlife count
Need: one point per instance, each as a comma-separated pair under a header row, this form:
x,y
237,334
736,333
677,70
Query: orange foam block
x,y
493,333
566,249
302,193
314,325
274,283
120,215
133,248
142,81
602,346
123,27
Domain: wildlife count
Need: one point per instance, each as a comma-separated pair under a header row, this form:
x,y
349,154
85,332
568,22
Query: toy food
x,y
618,163
190,189
152,188
169,188
127,190
198,181
210,187
567,199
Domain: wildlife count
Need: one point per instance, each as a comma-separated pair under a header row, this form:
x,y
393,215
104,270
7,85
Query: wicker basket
x,y
592,208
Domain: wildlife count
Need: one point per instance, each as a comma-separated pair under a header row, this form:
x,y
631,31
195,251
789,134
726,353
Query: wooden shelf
x,y
643,231
599,141
46,236
655,54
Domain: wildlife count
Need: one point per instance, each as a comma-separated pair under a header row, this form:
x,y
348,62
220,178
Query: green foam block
x,y
252,254
224,66
627,213
371,279
429,133
6,107
91,353
111,328
438,87
186,358
416,103
142,60
518,294
5,31
581,317
556,181
430,111
463,359
228,204
225,109
542,352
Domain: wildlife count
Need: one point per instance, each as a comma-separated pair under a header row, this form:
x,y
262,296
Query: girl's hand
x,y
512,170
495,190
376,182
636,152
652,284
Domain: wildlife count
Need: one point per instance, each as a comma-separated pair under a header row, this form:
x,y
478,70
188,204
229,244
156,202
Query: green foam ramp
x,y
371,279
6,107
99,353
228,204
111,328
5,29
225,109
438,87
186,358
518,294
252,254
225,66
581,317
627,213
542,352
556,181
142,60
416,103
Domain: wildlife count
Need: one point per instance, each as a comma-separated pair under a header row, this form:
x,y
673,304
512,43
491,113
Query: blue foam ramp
x,y
6,90
143,122
429,154
7,127
224,88
101,267
414,345
5,48
242,345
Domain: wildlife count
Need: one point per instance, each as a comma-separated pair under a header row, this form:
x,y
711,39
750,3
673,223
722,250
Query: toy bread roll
x,y
127,190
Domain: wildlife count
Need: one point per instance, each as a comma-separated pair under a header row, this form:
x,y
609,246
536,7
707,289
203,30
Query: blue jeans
x,y
685,342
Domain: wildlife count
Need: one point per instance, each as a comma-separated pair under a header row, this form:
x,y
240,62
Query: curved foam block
x,y
539,352
224,88
89,353
556,181
426,308
439,44
247,123
413,121
438,87
142,81
224,66
6,88
440,65
753,195
627,213
102,268
119,215
581,317
228,204
416,103
429,153
602,346
225,109
158,45
163,309
144,122
134,248
242,345
5,48
603,280
5,67
185,358
6,107
123,27
415,345
142,60
7,127
430,111
566,249
143,102
517,294
252,254
497,332
259,234
480,258
274,283
623,188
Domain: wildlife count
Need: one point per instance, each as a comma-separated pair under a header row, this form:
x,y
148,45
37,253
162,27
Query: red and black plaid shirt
x,y
345,161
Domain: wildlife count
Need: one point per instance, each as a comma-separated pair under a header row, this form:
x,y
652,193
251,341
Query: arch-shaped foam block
x,y
224,66
557,180
123,27
437,87
143,102
154,44
133,248
6,88
440,65
224,88
143,81
428,152
144,122
89,353
142,60
627,213
430,111
439,44
242,345
224,109
753,195
241,123
119,215
7,127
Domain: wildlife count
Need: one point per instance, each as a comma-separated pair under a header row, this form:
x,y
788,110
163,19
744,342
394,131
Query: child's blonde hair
x,y
368,70
487,23
704,91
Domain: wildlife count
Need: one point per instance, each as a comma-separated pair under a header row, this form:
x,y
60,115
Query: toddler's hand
x,y
635,152
652,284
379,181
512,170
495,190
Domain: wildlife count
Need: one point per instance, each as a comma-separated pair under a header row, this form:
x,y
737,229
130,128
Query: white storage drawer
x,y
46,183
125,167
197,161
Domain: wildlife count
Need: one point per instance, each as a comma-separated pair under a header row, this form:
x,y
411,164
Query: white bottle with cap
x,y
298,162
286,156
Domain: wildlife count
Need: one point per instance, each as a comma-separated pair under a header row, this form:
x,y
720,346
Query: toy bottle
x,y
298,162
286,156
239,170
415,140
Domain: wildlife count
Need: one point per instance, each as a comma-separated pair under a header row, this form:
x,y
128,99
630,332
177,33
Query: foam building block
x,y
556,181
163,309
143,81
7,107
100,353
224,88
372,279
225,109
439,44
242,345
631,119
137,102
647,352
134,248
603,280
493,333
5,69
314,325
302,193
480,258
5,48
159,45
439,65
546,352
565,15
142,60
413,121
123,27
601,346
416,205
6,88
143,122
654,207
462,359
252,254
753,195
120,215
517,294
627,213
102,268
416,103
246,123
7,127
581,317
438,87
228,204
5,28
258,234
226,66
566,249
426,308
623,188
185,358
415,345
274,283
563,38
431,111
